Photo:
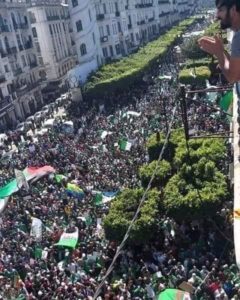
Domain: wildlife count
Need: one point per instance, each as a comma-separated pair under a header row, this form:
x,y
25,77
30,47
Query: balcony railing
x,y
4,105
4,28
3,54
28,45
12,50
33,64
17,71
163,2
53,18
104,39
2,78
21,91
20,26
143,5
100,17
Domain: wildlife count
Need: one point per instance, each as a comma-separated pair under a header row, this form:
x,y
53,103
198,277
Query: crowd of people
x,y
199,253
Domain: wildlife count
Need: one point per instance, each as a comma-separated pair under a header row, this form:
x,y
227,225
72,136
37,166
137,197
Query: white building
x,y
109,29
51,29
20,89
86,37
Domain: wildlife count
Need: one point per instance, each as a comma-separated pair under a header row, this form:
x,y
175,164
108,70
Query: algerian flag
x,y
12,187
105,197
226,101
172,294
21,179
59,178
36,229
104,133
69,239
125,145
38,252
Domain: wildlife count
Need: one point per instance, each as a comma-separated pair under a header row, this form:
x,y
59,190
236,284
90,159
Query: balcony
x,y
104,39
20,47
160,2
5,104
53,18
4,28
150,20
21,91
143,5
164,14
20,26
2,78
117,13
17,71
12,50
3,54
33,64
129,26
100,17
28,45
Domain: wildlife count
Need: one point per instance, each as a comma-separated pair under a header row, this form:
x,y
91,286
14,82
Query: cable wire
x,y
126,236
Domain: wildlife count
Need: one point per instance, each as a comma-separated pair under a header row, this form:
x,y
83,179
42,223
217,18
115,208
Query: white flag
x,y
21,179
36,229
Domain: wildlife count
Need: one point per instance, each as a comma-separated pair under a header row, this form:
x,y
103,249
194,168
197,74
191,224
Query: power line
x,y
126,236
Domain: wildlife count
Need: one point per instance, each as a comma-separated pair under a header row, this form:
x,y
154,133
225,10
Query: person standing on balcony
x,y
228,12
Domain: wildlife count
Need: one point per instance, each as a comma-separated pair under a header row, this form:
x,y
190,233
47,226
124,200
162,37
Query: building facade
x,y
20,88
86,38
110,29
51,31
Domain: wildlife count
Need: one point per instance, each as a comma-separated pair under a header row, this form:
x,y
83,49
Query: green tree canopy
x,y
163,173
122,211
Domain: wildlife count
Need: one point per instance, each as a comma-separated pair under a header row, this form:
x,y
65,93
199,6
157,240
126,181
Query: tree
x,y
162,174
195,191
122,211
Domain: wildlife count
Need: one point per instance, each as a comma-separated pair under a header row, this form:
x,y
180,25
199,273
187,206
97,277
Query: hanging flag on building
x,y
36,229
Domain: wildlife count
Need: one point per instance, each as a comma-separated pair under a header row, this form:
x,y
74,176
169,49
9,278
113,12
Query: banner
x,y
69,239
226,101
74,190
36,229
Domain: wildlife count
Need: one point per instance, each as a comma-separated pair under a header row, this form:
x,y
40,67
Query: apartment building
x,y
51,29
86,38
20,89
110,29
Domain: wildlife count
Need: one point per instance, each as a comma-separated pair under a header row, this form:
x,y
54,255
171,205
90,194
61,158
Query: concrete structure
x,y
86,37
20,91
51,30
110,29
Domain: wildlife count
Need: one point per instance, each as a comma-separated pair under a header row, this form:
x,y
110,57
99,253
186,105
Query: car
x,y
38,116
24,127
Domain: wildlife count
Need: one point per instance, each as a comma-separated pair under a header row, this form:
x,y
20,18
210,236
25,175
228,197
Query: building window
x,y
118,49
34,32
119,27
114,26
83,49
6,69
74,3
104,8
111,50
94,40
101,31
105,52
108,30
50,29
79,25
90,16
